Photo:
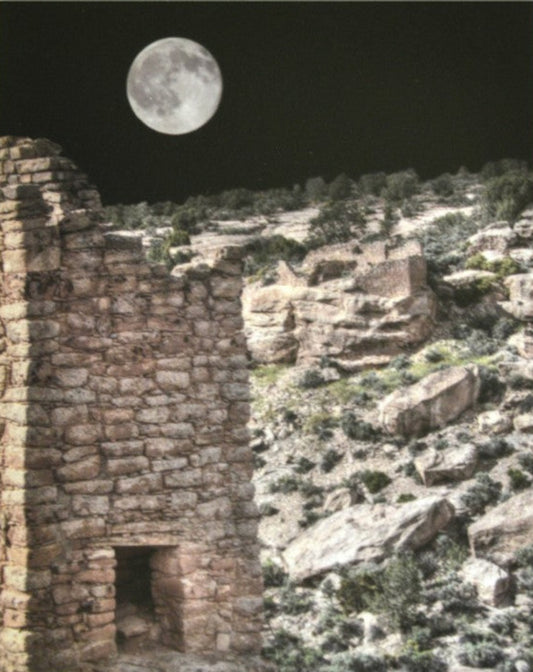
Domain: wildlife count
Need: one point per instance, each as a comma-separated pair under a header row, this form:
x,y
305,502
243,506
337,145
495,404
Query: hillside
x,y
389,328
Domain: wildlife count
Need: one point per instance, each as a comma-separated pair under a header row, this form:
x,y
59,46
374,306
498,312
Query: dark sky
x,y
310,89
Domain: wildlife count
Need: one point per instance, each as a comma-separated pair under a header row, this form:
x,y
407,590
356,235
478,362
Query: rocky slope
x,y
392,381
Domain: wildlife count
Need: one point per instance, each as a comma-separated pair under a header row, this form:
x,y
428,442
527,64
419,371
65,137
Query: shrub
x,y
443,185
481,654
494,448
401,587
288,653
357,429
359,662
358,588
330,459
178,237
484,492
311,378
405,497
337,222
518,480
340,188
315,188
507,195
293,600
374,481
526,461
266,509
304,465
284,484
421,661
273,575
400,186
372,183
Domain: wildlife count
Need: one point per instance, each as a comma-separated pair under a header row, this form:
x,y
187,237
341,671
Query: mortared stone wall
x,y
123,413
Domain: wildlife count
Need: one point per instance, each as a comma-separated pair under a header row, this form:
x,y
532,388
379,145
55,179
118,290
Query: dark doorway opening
x,y
136,623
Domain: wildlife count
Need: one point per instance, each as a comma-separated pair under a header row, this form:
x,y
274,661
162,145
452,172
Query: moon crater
x,y
174,86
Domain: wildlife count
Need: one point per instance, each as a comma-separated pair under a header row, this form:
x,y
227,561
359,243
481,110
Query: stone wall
x,y
123,415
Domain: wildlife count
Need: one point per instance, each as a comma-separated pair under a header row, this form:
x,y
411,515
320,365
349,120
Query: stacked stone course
x,y
123,411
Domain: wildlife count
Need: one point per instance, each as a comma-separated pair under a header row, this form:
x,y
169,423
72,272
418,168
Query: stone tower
x,y
125,461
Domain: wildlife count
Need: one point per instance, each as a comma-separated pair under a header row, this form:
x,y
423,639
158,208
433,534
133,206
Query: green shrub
x,y
481,654
273,575
524,556
293,600
337,222
401,589
340,188
304,465
178,237
284,484
518,480
484,492
315,189
330,460
374,481
400,186
421,661
507,195
311,378
358,588
266,509
288,653
526,461
405,497
443,185
357,429
359,662
372,183
494,448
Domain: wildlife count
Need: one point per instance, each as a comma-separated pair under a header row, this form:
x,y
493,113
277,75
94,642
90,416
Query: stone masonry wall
x,y
123,411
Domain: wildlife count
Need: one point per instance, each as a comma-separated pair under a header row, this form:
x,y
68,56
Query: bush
x,y
288,653
518,480
330,460
526,461
315,188
401,588
284,484
400,186
337,222
304,465
507,195
359,588
374,481
494,448
372,183
273,575
340,188
359,662
357,429
484,492
311,378
481,654
443,185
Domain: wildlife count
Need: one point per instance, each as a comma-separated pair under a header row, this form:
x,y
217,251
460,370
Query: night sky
x,y
310,89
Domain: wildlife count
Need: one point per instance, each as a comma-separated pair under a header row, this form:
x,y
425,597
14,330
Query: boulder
x,y
520,303
524,226
492,583
364,533
498,238
434,401
504,529
453,464
494,422
524,423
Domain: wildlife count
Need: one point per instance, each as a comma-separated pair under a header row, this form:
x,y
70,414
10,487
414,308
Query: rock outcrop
x,y
362,319
453,464
504,529
434,401
364,533
492,583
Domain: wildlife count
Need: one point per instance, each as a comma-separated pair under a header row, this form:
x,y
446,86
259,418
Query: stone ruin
x,y
127,505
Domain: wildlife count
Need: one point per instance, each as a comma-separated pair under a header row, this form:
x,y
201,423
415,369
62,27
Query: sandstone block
x,y
434,401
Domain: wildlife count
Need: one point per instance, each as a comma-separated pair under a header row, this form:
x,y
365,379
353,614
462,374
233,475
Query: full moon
x,y
174,86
